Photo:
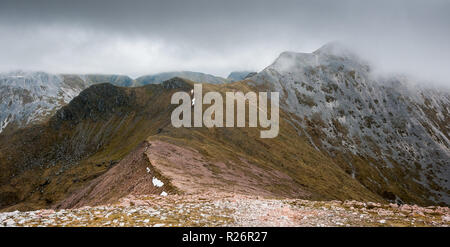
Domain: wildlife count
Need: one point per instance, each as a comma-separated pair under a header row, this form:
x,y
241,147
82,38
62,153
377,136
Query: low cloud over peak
x,y
217,37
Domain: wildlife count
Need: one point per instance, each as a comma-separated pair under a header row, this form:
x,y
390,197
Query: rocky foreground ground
x,y
231,210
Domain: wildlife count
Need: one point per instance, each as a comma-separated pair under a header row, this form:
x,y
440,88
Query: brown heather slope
x,y
199,160
285,166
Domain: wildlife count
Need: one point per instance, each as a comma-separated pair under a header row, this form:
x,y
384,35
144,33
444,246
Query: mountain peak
x,y
334,55
334,48
289,60
96,102
177,82
338,49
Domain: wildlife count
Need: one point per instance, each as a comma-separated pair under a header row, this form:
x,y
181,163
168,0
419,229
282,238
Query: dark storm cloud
x,y
140,37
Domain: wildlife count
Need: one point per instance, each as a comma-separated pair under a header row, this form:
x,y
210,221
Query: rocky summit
x,y
390,133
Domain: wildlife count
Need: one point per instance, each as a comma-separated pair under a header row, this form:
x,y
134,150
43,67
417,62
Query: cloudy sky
x,y
145,37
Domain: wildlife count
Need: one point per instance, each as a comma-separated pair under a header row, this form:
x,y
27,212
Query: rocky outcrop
x,y
28,98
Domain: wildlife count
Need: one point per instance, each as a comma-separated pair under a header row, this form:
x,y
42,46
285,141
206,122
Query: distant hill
x,y
118,80
239,75
189,75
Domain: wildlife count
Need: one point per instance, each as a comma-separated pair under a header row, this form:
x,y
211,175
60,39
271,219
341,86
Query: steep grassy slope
x,y
199,160
42,164
229,152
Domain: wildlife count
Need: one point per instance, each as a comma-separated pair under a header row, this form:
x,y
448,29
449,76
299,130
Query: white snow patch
x,y
148,170
157,182
163,193
4,124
